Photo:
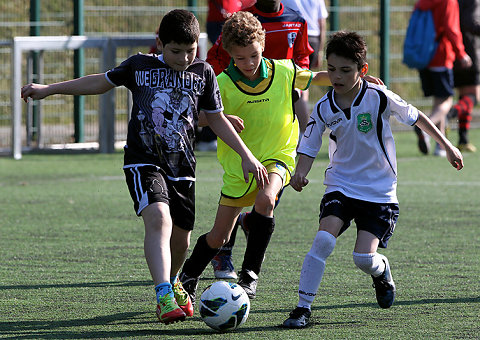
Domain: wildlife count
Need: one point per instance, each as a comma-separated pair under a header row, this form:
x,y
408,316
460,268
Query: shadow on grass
x,y
80,285
141,324
397,303
87,284
68,329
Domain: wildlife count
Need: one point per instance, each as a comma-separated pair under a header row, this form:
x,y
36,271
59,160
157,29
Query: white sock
x,y
313,267
370,263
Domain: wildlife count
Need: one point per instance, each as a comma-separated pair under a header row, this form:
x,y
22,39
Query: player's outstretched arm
x,y
87,85
321,78
223,129
454,155
299,179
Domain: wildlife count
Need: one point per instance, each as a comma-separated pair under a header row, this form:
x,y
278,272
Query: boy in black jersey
x,y
168,90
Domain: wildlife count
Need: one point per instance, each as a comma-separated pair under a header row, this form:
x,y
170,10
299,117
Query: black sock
x,y
201,256
260,231
462,136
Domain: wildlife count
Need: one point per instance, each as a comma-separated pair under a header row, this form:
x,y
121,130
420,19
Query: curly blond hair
x,y
242,29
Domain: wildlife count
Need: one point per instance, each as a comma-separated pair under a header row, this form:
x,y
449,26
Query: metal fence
x,y
104,18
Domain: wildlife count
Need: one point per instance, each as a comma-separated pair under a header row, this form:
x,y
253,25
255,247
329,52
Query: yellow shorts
x,y
249,199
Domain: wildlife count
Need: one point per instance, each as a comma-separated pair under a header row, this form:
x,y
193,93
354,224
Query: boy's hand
x,y
454,156
237,122
34,91
298,181
257,169
373,80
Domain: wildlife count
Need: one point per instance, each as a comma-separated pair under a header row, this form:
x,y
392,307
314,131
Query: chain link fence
x,y
122,18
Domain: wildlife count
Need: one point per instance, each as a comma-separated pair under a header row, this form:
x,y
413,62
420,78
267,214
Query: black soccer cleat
x,y
298,318
384,287
248,281
190,285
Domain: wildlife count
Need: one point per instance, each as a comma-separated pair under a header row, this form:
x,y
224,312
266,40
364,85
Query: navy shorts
x,y
148,184
376,218
437,83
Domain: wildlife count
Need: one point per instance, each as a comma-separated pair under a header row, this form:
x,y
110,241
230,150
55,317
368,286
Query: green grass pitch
x,y
72,265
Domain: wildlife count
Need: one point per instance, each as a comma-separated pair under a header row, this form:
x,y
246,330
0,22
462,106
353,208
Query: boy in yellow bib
x,y
259,91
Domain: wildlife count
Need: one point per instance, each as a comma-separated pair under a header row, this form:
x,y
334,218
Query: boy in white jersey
x,y
362,175
168,90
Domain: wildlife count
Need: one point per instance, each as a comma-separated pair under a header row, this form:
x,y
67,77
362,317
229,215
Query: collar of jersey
x,y
255,10
238,76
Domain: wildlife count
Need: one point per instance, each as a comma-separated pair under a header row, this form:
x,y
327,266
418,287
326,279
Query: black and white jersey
x,y
164,116
361,146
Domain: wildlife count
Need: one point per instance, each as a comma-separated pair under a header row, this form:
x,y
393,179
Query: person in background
x,y
437,77
316,14
218,12
467,80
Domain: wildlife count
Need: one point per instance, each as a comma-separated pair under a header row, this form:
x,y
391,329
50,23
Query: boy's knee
x,y
264,204
369,263
216,241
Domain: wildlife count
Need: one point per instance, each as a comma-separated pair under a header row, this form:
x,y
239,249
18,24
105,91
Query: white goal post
x,y
108,46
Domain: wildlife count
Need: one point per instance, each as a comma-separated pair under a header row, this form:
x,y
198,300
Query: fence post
x,y
106,119
78,71
193,6
334,16
16,65
35,106
385,41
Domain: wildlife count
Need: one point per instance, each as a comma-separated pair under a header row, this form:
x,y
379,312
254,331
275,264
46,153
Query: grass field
x,y
72,265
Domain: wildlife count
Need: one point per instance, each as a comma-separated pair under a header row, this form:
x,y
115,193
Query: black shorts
x,y
148,184
437,83
376,218
465,76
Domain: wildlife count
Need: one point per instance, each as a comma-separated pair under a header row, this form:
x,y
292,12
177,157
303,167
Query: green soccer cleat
x,y
168,311
182,298
190,285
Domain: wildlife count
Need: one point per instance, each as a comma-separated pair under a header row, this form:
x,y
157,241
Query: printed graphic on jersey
x,y
173,121
291,38
364,122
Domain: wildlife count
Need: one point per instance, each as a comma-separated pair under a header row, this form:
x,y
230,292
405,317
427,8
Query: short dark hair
x,y
180,26
349,45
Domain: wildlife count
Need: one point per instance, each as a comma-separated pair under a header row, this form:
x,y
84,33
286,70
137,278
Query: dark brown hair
x,y
348,45
180,26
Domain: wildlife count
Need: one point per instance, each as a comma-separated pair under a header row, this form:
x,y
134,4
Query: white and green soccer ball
x,y
224,306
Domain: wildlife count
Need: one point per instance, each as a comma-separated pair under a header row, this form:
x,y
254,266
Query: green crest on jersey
x,y
364,122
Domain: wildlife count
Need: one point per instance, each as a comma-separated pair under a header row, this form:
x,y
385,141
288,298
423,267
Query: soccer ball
x,y
224,306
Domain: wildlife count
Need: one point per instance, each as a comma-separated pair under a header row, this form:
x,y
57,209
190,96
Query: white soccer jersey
x,y
361,147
